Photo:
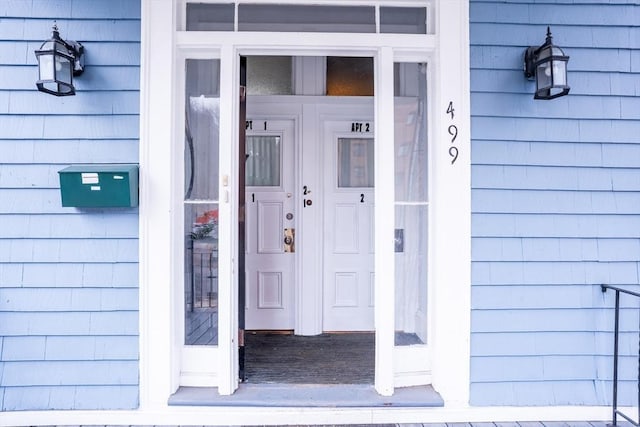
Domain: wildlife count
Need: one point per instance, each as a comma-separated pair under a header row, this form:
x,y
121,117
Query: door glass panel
x,y
263,161
349,76
201,274
210,17
306,18
411,203
355,162
201,176
202,129
411,181
411,274
269,75
403,20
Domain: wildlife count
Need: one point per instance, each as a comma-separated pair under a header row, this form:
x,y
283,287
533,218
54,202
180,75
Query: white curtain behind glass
x,y
355,162
263,161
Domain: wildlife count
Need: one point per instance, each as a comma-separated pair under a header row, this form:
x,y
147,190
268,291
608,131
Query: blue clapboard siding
x,y
68,277
555,203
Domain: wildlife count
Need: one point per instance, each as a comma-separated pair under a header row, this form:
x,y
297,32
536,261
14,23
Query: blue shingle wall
x,y
555,203
68,277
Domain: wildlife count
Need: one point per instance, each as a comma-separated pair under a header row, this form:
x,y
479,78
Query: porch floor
x,y
307,395
327,370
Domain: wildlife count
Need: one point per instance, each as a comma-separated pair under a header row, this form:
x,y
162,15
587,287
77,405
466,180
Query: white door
x,y
271,216
348,226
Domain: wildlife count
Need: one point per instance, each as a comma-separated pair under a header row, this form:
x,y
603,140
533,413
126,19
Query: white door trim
x,y
446,51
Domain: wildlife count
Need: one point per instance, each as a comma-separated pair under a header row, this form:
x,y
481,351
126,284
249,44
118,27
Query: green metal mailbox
x,y
99,186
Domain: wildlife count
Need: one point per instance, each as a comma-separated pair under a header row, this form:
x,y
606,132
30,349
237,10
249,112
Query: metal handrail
x,y
617,412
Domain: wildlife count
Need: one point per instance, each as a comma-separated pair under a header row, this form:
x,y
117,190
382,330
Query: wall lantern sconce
x,y
58,62
547,64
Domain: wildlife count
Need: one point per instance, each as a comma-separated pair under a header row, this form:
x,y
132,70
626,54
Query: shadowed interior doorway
x,y
337,358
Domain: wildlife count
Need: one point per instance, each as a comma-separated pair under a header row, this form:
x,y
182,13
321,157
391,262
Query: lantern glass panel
x,y
48,45
63,69
555,91
46,67
51,86
543,75
65,90
559,73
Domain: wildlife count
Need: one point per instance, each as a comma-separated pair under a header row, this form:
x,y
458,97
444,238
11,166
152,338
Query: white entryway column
x,y
384,222
450,189
158,350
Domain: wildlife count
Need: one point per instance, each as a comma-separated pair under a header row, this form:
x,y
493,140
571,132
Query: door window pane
x,y
411,274
202,129
302,18
201,274
263,161
210,17
411,133
349,76
355,162
403,20
269,75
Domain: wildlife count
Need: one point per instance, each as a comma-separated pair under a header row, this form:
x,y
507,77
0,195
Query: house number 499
x,y
453,132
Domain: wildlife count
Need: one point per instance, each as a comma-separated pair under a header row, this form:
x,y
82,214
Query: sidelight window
x,y
411,203
201,171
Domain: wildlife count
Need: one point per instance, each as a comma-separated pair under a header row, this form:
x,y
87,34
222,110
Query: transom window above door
x,y
330,18
278,75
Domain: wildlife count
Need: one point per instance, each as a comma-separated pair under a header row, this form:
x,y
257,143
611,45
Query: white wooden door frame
x,y
446,51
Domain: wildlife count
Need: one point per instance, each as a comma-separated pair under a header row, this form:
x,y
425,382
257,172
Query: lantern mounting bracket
x,y
78,60
529,60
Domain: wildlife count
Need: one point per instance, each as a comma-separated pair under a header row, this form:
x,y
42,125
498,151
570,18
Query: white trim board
x,y
283,416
